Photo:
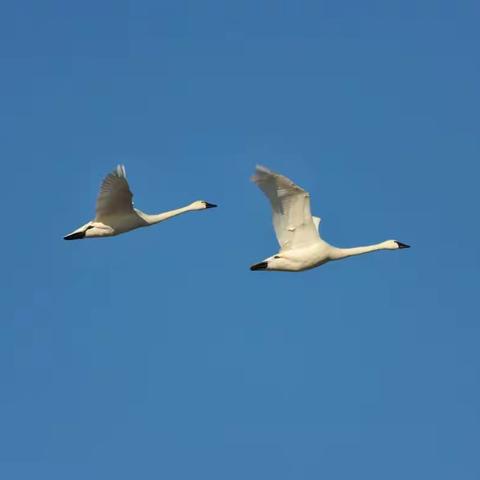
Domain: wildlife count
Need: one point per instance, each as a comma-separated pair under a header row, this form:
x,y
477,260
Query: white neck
x,y
339,253
160,217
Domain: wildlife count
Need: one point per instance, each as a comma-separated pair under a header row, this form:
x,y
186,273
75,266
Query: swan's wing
x,y
115,197
292,220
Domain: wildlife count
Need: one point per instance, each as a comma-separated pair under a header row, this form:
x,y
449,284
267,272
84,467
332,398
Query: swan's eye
x,y
277,256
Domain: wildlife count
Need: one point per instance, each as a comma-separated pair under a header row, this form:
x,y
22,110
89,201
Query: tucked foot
x,y
259,266
75,236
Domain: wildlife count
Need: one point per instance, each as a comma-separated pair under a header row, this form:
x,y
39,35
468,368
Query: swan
x,y
297,231
115,213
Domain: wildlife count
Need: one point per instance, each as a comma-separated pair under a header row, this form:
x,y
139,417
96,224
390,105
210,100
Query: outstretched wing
x,y
115,197
292,220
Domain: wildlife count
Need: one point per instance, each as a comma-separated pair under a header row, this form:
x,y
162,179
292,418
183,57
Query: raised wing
x,y
115,197
292,220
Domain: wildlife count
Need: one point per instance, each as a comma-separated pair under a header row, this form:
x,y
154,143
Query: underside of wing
x,y
292,220
115,197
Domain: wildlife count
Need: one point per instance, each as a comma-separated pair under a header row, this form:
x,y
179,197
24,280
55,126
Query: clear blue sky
x,y
158,354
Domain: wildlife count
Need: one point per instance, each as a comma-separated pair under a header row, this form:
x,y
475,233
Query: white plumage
x,y
297,231
115,213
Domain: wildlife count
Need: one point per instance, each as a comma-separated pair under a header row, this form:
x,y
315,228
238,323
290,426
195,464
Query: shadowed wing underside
x,y
115,197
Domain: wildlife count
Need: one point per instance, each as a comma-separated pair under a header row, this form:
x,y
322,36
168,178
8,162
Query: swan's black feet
x,y
259,266
75,236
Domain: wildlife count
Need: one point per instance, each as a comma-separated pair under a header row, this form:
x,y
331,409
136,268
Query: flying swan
x,y
297,231
115,213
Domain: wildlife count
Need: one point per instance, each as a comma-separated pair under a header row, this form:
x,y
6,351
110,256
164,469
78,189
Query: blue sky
x,y
158,354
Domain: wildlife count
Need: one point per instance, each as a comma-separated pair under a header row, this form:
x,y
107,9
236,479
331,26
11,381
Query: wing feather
x,y
115,197
292,219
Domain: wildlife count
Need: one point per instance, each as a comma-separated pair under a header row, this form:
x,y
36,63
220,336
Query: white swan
x,y
115,213
301,246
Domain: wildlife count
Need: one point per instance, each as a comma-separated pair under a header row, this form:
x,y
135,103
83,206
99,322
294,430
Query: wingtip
x,y
259,171
120,170
262,168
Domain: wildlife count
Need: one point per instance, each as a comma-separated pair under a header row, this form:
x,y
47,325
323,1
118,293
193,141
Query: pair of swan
x,y
297,231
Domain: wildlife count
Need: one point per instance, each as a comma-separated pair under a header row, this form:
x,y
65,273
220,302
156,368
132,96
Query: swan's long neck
x,y
339,253
160,217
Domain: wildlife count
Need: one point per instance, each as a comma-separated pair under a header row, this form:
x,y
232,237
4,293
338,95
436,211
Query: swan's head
x,y
279,262
201,205
395,245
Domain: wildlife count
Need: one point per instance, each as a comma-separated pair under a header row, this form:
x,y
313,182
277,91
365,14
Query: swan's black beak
x,y
75,236
210,205
259,266
402,245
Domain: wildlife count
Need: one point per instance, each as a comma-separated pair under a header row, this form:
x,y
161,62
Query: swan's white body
x,y
297,231
115,213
